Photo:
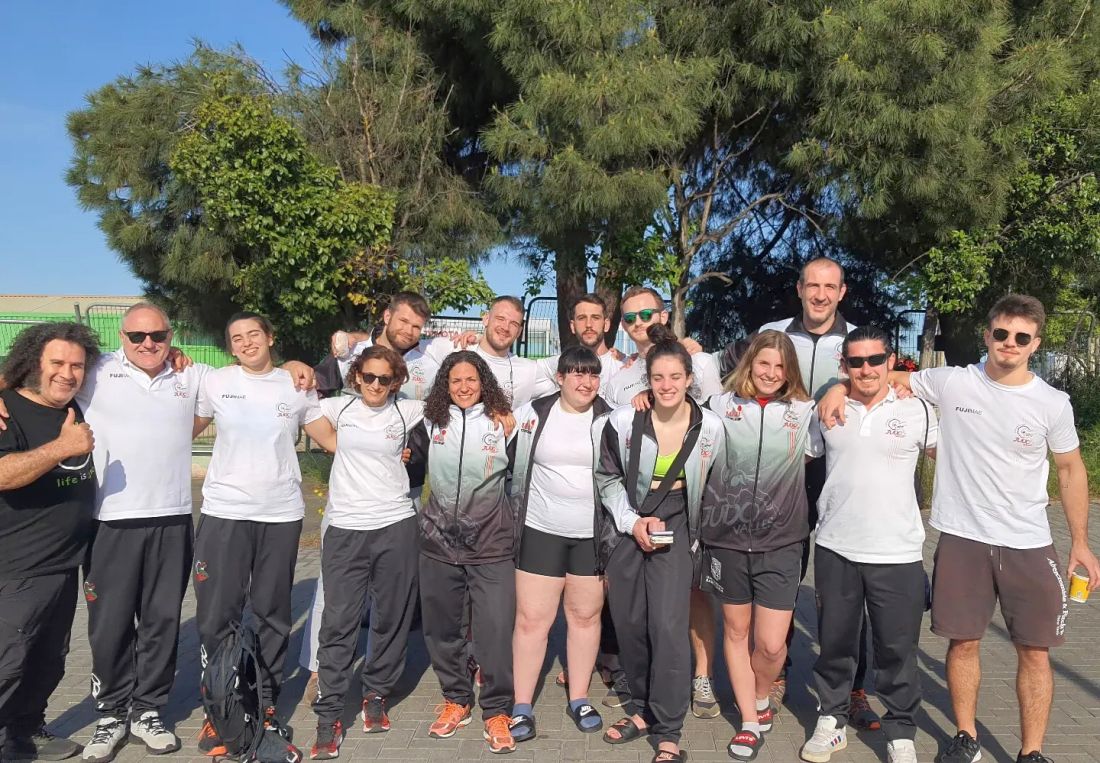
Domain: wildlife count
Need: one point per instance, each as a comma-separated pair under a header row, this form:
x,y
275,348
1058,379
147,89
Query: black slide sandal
x,y
628,732
586,711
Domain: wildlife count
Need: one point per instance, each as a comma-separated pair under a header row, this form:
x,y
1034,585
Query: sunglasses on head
x,y
645,315
855,361
138,337
1022,337
369,379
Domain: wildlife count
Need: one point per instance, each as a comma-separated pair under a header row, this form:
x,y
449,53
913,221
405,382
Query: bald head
x,y
149,326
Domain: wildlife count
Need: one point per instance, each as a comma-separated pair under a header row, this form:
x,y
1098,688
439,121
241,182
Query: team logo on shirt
x,y
489,443
394,432
706,447
1024,436
440,437
89,591
282,411
114,375
790,419
529,425
895,428
231,396
201,574
964,409
181,390
417,375
734,412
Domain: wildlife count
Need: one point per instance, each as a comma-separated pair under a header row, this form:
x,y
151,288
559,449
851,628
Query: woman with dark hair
x,y
753,538
553,491
655,472
467,544
246,543
369,545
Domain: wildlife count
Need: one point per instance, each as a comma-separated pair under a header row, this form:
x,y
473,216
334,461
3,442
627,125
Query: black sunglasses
x,y
645,315
1022,337
855,361
138,337
369,379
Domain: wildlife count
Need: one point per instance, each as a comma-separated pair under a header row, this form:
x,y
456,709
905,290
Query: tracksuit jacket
x,y
530,421
468,516
616,512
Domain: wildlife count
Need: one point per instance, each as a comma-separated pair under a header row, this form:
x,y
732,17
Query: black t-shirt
x,y
44,526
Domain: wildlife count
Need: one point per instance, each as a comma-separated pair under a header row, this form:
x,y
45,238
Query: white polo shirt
x,y
609,366
628,382
142,430
368,486
868,510
518,377
423,362
253,474
991,465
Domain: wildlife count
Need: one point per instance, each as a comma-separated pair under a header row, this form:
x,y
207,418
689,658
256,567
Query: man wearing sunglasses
x,y
999,422
869,550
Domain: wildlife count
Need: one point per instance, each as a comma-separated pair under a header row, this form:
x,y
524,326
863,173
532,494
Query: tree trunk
x,y
926,356
961,339
571,275
678,320
609,285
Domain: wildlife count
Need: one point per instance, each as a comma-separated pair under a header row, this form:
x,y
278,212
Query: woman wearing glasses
x,y
246,542
369,546
753,537
656,470
554,495
467,545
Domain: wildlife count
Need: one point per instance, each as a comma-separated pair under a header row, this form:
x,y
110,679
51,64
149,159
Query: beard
x,y
594,343
399,344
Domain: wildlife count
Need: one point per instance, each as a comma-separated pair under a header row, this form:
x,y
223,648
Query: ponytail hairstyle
x,y
740,381
666,344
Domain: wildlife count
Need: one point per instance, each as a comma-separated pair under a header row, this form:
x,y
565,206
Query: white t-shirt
x,y
518,377
368,486
628,382
561,497
423,362
609,366
991,464
253,474
142,429
868,511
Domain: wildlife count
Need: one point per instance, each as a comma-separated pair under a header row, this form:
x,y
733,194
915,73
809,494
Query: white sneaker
x,y
107,737
901,751
149,729
826,740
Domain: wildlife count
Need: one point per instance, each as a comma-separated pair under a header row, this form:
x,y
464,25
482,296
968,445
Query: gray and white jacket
x,y
617,511
468,517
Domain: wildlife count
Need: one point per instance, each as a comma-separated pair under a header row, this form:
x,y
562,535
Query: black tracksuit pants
x,y
134,581
238,561
649,595
815,481
36,615
383,563
492,595
893,596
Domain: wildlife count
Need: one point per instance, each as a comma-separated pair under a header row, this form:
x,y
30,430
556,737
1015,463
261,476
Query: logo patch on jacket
x,y
440,437
200,572
528,426
89,591
489,442
790,419
734,412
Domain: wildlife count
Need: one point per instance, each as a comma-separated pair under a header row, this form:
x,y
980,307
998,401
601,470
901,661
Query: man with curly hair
x,y
47,501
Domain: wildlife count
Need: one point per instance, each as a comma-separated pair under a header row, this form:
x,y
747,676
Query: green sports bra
x,y
662,465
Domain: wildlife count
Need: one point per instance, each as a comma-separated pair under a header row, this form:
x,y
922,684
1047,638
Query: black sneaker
x,y
962,748
619,692
329,738
1033,757
41,745
375,719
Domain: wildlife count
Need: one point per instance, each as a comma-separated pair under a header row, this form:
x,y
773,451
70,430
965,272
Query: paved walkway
x,y
1074,735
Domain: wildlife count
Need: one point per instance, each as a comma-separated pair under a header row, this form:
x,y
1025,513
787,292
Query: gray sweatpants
x,y
383,562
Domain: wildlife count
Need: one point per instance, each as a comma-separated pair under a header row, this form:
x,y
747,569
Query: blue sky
x,y
56,52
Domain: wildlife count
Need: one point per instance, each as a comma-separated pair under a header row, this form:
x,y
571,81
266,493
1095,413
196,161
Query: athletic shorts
x,y
970,577
766,578
554,555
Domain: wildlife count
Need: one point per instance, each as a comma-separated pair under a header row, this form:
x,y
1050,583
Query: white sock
x,y
762,705
753,727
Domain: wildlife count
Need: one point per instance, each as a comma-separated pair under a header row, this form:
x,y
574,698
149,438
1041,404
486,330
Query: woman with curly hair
x,y
467,544
369,545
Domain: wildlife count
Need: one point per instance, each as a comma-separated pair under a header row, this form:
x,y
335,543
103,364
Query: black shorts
x,y
766,578
554,555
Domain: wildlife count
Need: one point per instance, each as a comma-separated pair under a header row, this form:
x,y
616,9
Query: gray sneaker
x,y
703,702
107,737
150,730
826,740
40,745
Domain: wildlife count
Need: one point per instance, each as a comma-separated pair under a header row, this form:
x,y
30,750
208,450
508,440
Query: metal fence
x,y
540,330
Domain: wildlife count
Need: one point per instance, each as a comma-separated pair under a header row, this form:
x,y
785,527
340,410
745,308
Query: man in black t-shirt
x,y
47,500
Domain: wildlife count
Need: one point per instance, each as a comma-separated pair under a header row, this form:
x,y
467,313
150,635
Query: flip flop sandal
x,y
586,711
667,756
519,722
628,732
561,679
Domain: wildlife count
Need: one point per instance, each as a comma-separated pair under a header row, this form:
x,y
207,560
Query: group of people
x,y
640,494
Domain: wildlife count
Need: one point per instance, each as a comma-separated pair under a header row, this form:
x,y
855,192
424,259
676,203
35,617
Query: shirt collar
x,y
124,361
839,327
891,397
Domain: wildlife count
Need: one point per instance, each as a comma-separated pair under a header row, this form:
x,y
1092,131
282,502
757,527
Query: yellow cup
x,y
1079,587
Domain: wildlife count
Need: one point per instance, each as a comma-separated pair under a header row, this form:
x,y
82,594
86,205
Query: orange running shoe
x,y
498,735
860,713
210,743
450,717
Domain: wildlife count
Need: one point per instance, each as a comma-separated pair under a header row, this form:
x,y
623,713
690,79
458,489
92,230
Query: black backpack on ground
x,y
232,698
